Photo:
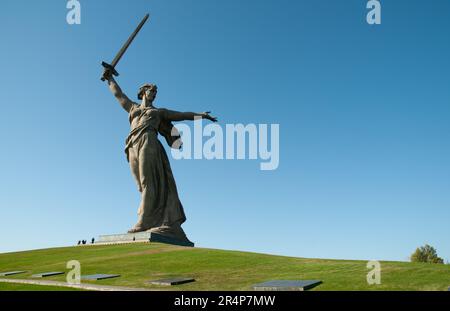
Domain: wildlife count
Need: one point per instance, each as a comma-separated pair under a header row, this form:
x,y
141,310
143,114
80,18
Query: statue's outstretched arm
x,y
172,115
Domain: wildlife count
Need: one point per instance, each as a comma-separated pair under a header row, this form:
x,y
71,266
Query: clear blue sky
x,y
363,111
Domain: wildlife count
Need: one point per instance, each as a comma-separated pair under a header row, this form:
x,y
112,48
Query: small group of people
x,y
84,242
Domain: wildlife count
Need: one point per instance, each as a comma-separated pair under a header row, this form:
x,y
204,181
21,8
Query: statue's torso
x,y
140,116
142,120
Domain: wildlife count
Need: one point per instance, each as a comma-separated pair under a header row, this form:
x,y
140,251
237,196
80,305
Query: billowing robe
x,y
160,209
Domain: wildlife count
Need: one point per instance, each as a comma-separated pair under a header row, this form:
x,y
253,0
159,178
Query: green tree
x,y
426,253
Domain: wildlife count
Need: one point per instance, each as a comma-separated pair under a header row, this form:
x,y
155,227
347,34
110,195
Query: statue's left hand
x,y
206,115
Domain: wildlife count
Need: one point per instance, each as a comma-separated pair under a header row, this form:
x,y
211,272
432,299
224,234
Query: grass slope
x,y
218,269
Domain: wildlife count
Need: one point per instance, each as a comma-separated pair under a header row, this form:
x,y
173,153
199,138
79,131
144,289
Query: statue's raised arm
x,y
123,99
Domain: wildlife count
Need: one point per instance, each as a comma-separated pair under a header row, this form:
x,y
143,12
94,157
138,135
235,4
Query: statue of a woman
x,y
160,210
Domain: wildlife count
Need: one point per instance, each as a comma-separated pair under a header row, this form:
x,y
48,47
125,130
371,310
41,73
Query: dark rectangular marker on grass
x,y
47,274
96,277
172,281
11,273
285,285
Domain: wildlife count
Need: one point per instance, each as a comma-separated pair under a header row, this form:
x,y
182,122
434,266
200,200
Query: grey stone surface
x,y
172,281
96,277
141,237
46,274
286,285
11,273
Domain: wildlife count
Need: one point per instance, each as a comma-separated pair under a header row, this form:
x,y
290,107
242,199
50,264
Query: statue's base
x,y
140,237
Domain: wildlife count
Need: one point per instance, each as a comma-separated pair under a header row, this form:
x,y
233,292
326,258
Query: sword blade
x,y
130,39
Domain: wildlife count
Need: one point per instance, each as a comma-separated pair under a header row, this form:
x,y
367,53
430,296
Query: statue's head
x,y
148,90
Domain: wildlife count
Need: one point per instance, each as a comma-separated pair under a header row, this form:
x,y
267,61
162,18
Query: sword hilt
x,y
110,68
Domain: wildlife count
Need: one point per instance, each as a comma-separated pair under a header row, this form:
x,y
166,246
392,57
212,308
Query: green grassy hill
x,y
217,269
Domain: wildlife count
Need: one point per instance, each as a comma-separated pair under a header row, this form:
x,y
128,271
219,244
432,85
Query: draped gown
x,y
160,209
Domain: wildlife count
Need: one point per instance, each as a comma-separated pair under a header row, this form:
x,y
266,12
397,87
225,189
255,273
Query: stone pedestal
x,y
141,237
